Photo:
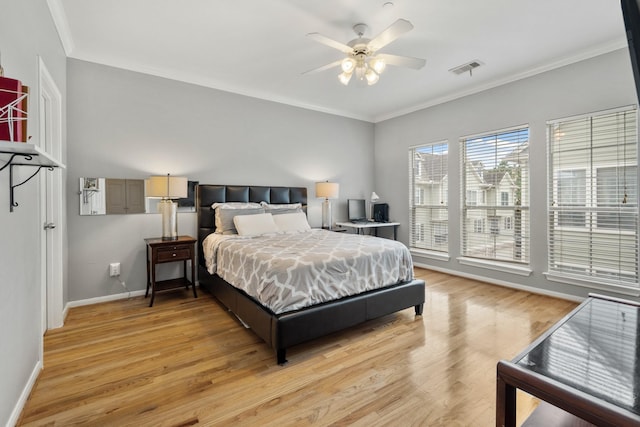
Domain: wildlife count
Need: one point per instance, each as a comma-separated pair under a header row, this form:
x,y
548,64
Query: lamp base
x,y
169,211
327,222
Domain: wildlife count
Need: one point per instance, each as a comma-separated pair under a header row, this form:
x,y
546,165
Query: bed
x,y
284,329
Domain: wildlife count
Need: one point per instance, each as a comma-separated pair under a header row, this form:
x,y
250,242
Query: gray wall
x,y
592,85
26,31
123,124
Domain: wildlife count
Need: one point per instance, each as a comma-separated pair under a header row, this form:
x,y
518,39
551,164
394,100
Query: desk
x,y
359,227
588,365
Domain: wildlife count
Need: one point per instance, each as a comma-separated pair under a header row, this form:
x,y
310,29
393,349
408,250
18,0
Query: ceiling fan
x,y
362,58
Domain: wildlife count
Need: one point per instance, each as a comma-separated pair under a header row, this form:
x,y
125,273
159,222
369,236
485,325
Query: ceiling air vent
x,y
468,67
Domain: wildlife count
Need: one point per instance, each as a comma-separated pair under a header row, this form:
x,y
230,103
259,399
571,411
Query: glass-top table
x,y
587,364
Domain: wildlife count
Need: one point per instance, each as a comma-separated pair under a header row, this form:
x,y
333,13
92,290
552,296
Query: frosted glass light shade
x,y
344,78
348,64
377,64
167,187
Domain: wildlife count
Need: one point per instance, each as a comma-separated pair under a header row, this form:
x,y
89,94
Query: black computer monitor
x,y
357,209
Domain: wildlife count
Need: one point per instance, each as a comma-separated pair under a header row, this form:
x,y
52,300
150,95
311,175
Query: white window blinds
x,y
495,195
428,192
593,197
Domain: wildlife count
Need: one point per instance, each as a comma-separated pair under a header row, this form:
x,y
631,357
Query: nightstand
x,y
160,251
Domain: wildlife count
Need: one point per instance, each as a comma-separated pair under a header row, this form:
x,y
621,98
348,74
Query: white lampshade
x,y
327,190
167,186
374,197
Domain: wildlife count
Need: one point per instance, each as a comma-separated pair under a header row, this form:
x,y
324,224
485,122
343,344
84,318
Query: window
x,y
593,198
572,196
428,204
508,223
495,185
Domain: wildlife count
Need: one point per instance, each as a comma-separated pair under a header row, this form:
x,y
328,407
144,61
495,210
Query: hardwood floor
x,y
187,361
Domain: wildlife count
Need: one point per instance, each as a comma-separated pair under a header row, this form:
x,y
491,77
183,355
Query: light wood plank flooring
x,y
187,361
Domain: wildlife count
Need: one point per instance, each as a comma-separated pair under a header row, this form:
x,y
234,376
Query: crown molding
x,y
62,25
587,54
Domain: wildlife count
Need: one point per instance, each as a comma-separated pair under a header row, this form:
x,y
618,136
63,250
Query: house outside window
x,y
495,185
593,199
428,204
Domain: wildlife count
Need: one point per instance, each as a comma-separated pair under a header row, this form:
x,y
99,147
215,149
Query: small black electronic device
x,y
357,210
381,212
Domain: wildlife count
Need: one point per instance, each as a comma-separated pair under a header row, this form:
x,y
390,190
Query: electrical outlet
x,y
114,269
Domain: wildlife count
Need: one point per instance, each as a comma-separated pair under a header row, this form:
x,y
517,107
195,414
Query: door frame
x,y
51,241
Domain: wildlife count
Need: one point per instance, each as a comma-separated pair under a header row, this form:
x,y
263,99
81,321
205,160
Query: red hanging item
x,y
13,110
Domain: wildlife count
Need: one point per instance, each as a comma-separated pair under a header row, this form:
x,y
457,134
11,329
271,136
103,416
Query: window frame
x,y
429,197
511,147
574,250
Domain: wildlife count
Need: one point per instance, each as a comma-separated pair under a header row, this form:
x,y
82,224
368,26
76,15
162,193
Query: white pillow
x,y
255,225
292,222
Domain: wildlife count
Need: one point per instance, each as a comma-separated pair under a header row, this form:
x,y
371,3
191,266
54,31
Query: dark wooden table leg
x,y
193,277
146,294
153,285
505,404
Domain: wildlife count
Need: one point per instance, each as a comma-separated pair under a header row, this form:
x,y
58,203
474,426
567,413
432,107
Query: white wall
x,y
592,85
124,124
26,31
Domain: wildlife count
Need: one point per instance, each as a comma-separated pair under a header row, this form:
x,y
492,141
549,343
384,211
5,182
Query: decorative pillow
x,y
224,218
292,222
255,225
281,208
235,205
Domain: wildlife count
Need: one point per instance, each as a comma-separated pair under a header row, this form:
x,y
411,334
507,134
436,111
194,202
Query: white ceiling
x,y
259,48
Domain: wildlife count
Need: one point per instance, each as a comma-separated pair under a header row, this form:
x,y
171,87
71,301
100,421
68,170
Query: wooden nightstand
x,y
160,251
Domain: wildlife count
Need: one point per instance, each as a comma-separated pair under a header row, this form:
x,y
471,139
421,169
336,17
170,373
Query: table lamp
x,y
327,190
167,188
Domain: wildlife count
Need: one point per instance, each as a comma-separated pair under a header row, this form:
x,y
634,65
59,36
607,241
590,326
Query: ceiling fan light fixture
x,y
377,64
348,64
344,78
372,77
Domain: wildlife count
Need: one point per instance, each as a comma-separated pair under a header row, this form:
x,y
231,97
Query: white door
x,y
51,218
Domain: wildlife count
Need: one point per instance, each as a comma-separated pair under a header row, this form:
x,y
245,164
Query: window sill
x,y
496,265
620,289
435,255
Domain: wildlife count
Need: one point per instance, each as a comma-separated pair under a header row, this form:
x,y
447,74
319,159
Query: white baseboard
x,y
531,289
26,391
98,300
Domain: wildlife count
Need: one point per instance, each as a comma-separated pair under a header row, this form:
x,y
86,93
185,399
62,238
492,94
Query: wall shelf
x,y
14,154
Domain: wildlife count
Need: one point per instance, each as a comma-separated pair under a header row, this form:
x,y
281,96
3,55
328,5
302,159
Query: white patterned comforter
x,y
287,272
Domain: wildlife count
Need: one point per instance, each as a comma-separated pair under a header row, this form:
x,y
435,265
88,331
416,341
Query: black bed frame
x,y
281,331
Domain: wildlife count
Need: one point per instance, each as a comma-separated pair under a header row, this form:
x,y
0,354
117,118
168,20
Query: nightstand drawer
x,y
174,253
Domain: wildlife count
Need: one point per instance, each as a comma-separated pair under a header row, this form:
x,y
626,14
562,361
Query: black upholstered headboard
x,y
208,194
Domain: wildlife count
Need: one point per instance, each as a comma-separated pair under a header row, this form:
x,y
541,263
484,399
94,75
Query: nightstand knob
x,y
173,254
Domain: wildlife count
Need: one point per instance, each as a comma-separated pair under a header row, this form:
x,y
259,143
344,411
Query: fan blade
x,y
324,67
402,61
330,42
394,31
